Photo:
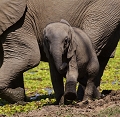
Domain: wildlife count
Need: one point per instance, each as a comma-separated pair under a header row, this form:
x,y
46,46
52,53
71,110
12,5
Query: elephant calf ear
x,y
10,12
64,21
71,49
73,44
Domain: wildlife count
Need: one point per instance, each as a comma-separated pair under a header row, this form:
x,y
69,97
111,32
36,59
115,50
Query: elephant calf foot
x,y
13,95
70,91
87,98
96,94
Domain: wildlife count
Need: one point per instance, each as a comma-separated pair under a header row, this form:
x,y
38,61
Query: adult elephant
x,y
22,23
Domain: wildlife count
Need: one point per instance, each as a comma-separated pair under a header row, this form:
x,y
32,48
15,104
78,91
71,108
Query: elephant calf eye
x,y
46,39
66,42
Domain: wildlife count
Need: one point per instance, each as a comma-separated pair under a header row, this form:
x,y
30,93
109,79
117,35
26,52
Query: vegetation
x,y
111,76
39,88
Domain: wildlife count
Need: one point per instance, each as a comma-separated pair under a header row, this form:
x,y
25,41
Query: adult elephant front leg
x,y
21,52
57,82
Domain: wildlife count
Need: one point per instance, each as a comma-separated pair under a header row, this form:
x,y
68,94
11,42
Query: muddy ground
x,y
88,109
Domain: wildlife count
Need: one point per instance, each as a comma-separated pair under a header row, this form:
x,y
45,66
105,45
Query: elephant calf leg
x,y
81,90
57,82
91,90
70,90
70,85
88,91
71,80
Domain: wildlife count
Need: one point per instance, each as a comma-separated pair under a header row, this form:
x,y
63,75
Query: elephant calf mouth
x,y
63,68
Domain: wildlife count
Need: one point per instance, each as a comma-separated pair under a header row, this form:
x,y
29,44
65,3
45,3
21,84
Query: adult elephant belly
x,y
48,11
101,24
98,18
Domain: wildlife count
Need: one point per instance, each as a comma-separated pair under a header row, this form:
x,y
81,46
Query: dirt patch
x,y
80,109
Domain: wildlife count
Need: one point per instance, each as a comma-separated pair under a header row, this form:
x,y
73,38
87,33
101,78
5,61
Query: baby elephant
x,y
71,55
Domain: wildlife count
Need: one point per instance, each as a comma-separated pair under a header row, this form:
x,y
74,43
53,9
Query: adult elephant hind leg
x,y
21,53
107,52
9,89
102,62
19,82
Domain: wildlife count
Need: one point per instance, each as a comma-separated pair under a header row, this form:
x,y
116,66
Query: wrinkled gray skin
x,y
1,54
70,51
21,27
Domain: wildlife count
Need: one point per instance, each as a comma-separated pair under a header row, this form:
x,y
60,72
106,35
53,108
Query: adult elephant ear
x,y
10,12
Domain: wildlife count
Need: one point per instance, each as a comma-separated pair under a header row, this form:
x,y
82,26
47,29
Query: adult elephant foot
x,y
13,95
13,91
70,90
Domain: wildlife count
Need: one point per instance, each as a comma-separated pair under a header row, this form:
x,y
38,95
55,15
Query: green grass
x,y
111,76
110,112
37,80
